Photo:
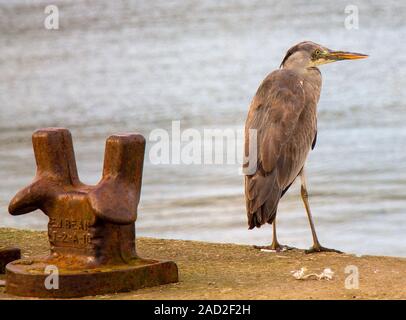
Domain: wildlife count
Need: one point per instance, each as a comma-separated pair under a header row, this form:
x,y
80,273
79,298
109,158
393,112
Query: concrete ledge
x,y
228,271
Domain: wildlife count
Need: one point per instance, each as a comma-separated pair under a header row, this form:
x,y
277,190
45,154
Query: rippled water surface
x,y
116,66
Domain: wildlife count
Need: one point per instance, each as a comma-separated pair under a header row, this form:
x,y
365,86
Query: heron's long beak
x,y
343,55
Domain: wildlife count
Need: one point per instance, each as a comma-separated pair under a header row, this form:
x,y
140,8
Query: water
x,y
117,66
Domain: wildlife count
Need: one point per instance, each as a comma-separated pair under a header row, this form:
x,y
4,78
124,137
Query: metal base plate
x,y
27,277
7,255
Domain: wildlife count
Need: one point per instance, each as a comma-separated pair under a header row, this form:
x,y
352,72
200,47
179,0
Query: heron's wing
x,y
274,114
314,141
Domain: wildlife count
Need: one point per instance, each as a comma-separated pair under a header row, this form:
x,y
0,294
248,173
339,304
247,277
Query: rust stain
x,y
7,255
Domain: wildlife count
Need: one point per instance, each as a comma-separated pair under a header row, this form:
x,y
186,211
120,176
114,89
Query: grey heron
x,y
283,113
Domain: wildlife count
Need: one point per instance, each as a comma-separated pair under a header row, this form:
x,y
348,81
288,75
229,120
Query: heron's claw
x,y
274,247
315,249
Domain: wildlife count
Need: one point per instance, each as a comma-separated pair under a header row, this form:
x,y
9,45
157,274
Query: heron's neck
x,y
313,74
297,61
310,74
312,84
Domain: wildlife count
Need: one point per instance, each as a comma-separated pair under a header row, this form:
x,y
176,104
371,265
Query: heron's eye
x,y
316,54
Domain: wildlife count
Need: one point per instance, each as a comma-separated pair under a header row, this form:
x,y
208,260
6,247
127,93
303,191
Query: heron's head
x,y
308,54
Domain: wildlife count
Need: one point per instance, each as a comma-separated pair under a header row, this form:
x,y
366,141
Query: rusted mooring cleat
x,y
7,255
91,229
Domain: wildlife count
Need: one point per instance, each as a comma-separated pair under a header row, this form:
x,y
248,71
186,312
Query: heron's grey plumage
x,y
283,115
283,112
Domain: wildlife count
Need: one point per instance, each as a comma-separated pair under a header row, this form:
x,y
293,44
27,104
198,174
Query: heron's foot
x,y
274,247
319,248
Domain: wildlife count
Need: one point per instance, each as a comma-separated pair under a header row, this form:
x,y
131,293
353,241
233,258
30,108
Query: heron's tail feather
x,y
262,194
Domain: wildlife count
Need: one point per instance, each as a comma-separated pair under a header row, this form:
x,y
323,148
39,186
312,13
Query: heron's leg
x,y
305,197
275,246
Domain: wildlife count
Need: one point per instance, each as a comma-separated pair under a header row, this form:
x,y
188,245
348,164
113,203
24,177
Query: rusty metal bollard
x,y
91,229
7,255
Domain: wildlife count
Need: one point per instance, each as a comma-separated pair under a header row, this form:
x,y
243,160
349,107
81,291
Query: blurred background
x,y
116,66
